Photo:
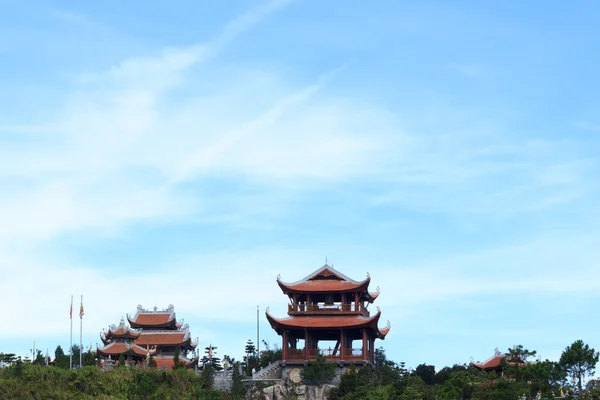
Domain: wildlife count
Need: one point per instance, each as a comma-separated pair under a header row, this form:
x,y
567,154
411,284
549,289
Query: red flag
x,y
71,311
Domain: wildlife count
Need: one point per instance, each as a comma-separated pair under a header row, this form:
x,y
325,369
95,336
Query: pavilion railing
x,y
299,353
295,353
328,308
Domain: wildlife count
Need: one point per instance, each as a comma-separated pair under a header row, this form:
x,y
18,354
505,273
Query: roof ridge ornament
x,y
368,275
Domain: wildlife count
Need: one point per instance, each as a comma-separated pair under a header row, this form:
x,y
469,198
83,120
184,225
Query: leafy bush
x,y
27,381
318,372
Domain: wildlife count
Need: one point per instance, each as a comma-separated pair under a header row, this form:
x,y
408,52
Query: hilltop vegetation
x,y
524,377
28,381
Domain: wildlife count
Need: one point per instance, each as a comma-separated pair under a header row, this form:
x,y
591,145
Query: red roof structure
x,y
152,333
153,319
327,306
496,362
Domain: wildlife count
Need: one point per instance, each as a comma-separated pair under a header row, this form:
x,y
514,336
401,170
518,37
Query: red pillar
x,y
342,344
306,342
364,344
284,347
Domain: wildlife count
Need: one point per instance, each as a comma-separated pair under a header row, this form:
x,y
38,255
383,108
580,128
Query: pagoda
x,y
328,315
497,363
151,333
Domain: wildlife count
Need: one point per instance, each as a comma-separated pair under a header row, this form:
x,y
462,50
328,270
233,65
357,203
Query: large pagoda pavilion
x,y
151,333
328,315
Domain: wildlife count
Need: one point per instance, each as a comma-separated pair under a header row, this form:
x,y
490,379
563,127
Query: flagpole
x,y
71,339
257,334
81,333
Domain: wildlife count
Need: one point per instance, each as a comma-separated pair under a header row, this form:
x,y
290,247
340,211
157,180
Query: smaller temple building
x,y
497,363
151,334
328,315
494,363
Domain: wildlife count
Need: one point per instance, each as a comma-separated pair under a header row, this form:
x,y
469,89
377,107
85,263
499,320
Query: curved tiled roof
x,y
162,338
491,363
328,322
153,318
119,331
325,279
166,338
125,348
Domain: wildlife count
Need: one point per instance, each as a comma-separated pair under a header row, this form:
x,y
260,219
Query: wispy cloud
x,y
587,126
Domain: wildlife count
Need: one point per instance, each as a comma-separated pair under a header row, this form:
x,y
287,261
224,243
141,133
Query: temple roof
x,y
495,362
325,279
153,318
166,338
492,362
125,348
328,322
119,331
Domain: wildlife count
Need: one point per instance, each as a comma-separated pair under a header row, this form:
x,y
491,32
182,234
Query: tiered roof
x,y
495,362
118,348
119,331
154,319
327,279
328,322
180,337
151,332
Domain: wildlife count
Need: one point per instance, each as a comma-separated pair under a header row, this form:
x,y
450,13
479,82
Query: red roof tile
x,y
124,348
491,363
325,279
323,322
322,286
152,319
161,338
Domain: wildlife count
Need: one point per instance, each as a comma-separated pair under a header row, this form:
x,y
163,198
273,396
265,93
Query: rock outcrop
x,y
299,392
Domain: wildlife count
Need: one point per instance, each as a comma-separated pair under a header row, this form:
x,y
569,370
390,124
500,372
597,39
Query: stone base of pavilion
x,y
343,367
279,371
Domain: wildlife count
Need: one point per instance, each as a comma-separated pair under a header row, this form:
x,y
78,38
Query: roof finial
x,y
325,260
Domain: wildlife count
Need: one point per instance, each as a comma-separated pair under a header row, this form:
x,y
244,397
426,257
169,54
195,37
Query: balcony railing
x,y
329,353
328,308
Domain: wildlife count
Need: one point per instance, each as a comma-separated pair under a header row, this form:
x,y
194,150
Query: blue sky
x,y
190,152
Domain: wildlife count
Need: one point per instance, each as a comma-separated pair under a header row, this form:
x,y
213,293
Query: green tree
x,y
250,348
177,363
386,371
578,361
39,358
319,371
210,358
7,359
61,360
444,374
237,387
426,372
459,385
75,352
